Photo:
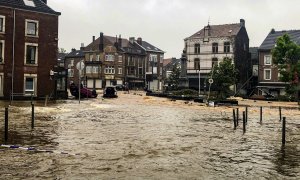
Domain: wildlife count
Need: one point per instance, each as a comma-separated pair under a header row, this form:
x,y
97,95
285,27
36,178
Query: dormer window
x,y
32,28
29,3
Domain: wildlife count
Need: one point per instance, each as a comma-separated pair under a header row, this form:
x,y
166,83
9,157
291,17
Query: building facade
x,y
28,48
268,75
210,46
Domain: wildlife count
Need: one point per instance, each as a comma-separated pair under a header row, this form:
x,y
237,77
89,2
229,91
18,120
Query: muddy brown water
x,y
138,137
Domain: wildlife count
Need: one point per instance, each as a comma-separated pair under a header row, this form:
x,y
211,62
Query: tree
x,y
286,55
224,75
173,79
61,50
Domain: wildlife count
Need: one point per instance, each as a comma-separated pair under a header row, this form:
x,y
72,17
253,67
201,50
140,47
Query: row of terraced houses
x,y
29,68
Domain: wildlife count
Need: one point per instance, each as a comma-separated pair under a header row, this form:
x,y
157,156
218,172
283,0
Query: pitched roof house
x,y
268,76
209,46
28,48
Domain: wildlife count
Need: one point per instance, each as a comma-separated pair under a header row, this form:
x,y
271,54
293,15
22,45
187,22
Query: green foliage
x,y
286,56
224,76
173,80
186,92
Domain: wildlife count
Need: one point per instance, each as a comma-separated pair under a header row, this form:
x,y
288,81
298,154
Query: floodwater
x,y
139,137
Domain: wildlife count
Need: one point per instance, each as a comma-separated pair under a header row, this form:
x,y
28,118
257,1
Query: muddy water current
x,y
138,137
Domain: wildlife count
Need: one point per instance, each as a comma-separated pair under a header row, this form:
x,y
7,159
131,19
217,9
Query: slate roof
x,y
224,30
270,40
149,47
75,54
39,6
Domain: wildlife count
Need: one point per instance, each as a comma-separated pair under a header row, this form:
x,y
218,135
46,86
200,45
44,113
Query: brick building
x,y
28,48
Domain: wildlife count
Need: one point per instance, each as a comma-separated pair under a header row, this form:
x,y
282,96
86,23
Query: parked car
x,y
110,92
84,92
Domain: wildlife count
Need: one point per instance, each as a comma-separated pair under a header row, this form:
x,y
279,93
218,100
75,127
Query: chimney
x,y
242,23
120,41
82,47
116,44
139,41
272,31
101,44
131,39
93,38
73,50
44,1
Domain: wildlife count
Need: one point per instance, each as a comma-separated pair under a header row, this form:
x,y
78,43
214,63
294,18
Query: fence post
x,y
234,119
237,116
6,125
244,122
32,115
260,114
283,130
280,113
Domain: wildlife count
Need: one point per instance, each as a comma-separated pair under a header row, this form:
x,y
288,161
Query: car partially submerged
x,y
110,92
84,92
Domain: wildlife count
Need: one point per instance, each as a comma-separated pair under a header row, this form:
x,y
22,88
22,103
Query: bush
x,y
186,92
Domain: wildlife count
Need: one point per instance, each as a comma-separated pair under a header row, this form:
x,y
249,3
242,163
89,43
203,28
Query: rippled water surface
x,y
138,137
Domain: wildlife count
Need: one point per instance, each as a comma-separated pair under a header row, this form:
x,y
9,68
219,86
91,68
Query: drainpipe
x,y
13,57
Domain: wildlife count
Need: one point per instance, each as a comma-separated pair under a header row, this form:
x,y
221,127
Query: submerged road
x,y
139,137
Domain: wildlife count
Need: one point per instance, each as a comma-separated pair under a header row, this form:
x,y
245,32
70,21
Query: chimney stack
x,y
120,41
242,23
73,50
101,44
139,41
131,39
93,38
82,47
44,1
272,31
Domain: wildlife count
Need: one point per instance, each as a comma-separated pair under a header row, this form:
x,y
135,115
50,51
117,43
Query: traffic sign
x,y
80,65
210,81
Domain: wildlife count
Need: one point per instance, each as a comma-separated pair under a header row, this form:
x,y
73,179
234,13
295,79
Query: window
x,y
197,48
88,69
120,58
268,60
140,71
1,84
2,24
109,70
197,64
109,57
215,47
98,58
130,61
131,71
226,47
31,28
161,58
2,51
95,69
61,84
30,84
91,57
70,72
119,70
267,74
153,57
29,3
214,62
31,53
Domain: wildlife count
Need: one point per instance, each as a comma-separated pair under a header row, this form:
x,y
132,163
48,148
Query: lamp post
x,y
199,82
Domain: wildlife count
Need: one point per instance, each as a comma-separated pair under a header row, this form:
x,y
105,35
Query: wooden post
x,y
244,122
237,116
32,115
234,119
6,125
246,114
280,114
283,130
261,114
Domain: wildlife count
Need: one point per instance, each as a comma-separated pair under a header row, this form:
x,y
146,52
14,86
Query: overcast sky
x,y
165,23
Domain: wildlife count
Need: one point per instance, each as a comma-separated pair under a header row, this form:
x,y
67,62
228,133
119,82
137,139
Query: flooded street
x,y
139,137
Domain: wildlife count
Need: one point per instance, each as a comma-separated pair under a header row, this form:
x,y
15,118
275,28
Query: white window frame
x,y
265,59
120,70
3,24
36,53
120,59
91,57
98,58
37,28
88,69
34,90
109,70
95,69
153,57
265,70
1,83
109,57
2,51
